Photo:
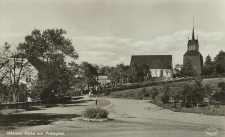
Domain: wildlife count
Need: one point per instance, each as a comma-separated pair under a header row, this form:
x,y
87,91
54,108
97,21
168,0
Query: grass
x,y
133,93
138,94
207,110
213,81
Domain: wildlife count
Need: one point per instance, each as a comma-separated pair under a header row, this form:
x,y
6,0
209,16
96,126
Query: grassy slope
x,y
213,81
138,93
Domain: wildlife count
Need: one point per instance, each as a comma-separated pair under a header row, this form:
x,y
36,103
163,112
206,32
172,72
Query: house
x,y
20,71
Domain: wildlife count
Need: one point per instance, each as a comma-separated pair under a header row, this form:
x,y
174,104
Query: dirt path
x,y
130,118
140,110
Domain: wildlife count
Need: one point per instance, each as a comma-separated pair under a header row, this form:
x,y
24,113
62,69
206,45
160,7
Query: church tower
x,y
193,54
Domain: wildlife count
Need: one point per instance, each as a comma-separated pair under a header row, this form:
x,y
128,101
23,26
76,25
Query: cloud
x,y
112,50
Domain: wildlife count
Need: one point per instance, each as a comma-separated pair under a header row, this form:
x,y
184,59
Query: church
x,y
193,54
159,65
162,65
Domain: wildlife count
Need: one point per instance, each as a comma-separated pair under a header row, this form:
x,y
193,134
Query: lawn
x,y
140,94
213,81
207,110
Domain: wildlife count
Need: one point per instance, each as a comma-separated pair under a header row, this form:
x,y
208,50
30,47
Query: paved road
x,y
128,118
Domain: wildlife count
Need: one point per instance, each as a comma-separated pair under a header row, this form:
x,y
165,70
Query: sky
x,y
109,32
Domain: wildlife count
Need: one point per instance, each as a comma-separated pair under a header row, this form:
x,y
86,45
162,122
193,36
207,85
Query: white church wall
x,y
167,73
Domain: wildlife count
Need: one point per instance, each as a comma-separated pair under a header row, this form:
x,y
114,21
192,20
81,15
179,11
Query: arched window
x,y
194,47
190,47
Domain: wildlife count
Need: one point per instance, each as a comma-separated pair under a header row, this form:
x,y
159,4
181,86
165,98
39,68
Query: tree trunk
x,y
14,97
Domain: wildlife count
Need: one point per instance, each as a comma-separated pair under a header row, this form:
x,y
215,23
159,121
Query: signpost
x,y
102,80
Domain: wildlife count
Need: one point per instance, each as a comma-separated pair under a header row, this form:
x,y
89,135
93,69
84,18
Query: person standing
x,y
90,92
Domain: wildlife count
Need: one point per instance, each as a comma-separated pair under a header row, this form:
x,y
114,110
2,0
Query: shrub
x,y
96,113
154,92
165,98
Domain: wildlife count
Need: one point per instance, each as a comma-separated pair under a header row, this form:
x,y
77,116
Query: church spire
x,y
193,32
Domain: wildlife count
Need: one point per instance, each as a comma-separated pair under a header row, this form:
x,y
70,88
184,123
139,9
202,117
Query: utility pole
x,y
96,90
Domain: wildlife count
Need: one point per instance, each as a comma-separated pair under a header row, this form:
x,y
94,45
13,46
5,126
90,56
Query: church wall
x,y
167,73
196,61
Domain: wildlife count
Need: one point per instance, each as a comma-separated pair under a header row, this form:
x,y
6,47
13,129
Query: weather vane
x,y
193,21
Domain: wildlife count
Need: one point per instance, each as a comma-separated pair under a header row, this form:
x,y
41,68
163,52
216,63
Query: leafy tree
x,y
166,95
133,72
48,44
105,70
219,61
208,67
193,93
187,94
14,69
187,69
4,62
52,47
220,95
143,71
119,74
199,92
177,70
89,73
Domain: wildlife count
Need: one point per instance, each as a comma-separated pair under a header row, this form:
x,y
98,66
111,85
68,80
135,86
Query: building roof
x,y
41,66
193,42
153,61
19,55
192,53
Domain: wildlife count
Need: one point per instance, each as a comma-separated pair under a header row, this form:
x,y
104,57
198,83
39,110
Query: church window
x,y
194,47
190,48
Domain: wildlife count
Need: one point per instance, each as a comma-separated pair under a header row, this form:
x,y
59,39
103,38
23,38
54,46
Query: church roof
x,y
192,53
193,42
153,61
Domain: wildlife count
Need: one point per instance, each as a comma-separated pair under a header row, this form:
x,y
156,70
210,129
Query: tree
x,y
4,61
143,71
133,72
219,61
193,93
208,67
52,47
48,44
166,96
16,68
220,95
177,70
187,69
89,73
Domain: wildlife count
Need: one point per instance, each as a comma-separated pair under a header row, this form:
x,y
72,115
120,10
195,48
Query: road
x,y
128,118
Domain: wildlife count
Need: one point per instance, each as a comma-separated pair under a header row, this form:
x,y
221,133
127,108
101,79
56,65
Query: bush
x,y
96,113
166,97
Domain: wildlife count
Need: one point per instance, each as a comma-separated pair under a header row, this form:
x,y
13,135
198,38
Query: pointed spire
x,y
193,32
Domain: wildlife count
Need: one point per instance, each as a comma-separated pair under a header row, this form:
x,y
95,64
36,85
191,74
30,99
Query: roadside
x,y
127,118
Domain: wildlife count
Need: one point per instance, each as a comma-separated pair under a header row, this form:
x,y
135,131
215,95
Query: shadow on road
x,y
13,121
